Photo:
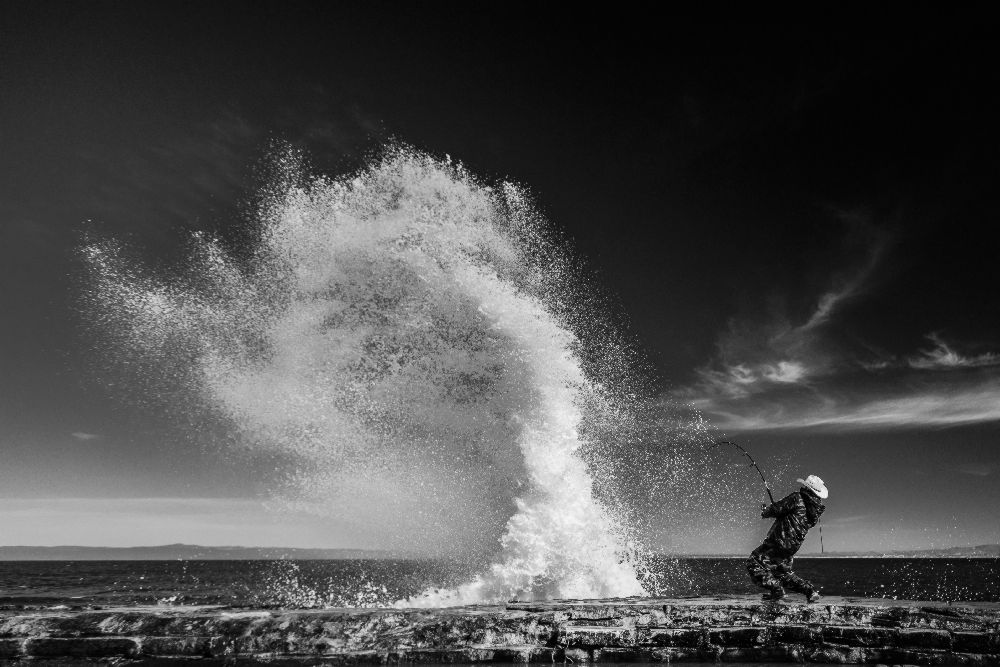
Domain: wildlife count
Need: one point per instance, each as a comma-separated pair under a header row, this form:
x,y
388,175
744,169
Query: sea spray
x,y
410,338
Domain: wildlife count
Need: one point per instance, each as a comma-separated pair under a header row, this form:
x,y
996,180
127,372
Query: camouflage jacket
x,y
795,514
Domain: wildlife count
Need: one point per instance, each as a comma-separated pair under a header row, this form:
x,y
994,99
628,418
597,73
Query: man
x,y
770,564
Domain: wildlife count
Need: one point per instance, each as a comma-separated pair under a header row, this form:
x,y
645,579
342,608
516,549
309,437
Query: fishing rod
x,y
822,549
752,462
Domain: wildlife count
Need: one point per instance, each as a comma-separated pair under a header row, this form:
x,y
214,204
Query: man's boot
x,y
812,596
773,595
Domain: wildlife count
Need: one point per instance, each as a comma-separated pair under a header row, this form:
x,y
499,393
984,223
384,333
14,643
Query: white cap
x,y
815,484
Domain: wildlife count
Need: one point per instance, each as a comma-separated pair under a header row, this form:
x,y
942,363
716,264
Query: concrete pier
x,y
704,629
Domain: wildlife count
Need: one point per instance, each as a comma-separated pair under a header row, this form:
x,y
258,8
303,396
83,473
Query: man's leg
x,y
791,581
760,566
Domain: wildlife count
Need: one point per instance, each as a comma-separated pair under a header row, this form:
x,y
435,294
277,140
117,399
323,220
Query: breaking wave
x,y
420,345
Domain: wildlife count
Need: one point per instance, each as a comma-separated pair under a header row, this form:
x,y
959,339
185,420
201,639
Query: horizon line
x,y
869,553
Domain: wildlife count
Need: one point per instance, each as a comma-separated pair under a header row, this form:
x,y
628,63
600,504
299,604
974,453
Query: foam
x,y
401,333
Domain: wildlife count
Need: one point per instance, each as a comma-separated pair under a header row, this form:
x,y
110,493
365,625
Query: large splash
x,y
410,337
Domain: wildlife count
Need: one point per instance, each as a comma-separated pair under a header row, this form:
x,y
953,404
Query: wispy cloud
x,y
773,373
848,285
877,365
944,357
935,406
743,379
976,469
788,372
759,355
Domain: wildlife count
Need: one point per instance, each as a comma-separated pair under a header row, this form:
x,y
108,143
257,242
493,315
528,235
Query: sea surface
x,y
366,583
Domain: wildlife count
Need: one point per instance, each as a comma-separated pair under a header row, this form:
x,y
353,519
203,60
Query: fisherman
x,y
770,564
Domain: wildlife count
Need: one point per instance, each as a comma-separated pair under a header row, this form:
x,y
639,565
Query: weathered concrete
x,y
729,629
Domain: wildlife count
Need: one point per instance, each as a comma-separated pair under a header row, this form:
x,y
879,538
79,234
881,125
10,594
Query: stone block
x,y
970,642
343,658
175,646
499,631
562,616
909,656
961,659
81,647
270,642
595,612
625,655
736,637
428,655
10,648
762,654
796,634
854,635
596,635
646,618
949,618
511,654
676,655
834,655
681,637
925,638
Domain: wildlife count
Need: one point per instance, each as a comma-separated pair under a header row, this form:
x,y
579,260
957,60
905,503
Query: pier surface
x,y
704,629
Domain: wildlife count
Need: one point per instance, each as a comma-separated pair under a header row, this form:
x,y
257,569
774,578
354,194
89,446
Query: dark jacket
x,y
796,513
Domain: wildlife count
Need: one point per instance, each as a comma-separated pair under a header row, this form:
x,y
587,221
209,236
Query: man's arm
x,y
784,506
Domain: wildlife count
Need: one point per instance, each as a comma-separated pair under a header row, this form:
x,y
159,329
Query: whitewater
x,y
410,337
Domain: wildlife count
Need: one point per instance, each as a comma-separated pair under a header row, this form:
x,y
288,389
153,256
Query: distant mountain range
x,y
980,551
190,552
195,552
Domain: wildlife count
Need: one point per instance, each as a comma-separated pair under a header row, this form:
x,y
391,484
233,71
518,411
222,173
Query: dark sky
x,y
796,221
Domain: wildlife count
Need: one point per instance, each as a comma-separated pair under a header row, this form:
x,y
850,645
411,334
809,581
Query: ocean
x,y
27,585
